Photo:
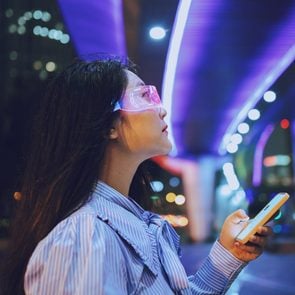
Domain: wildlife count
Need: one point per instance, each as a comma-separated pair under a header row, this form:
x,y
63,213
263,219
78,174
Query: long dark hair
x,y
69,140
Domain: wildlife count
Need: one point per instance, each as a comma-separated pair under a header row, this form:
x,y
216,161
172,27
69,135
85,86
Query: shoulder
x,y
81,229
76,253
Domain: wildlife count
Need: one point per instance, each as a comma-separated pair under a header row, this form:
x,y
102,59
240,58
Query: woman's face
x,y
143,133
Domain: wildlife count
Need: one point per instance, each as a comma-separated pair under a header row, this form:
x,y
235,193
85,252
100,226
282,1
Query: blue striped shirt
x,y
112,246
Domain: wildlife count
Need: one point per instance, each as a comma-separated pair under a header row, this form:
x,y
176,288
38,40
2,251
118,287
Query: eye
x,y
145,95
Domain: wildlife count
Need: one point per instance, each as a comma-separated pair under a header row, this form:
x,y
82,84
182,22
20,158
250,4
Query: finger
x,y
239,216
251,248
258,240
264,231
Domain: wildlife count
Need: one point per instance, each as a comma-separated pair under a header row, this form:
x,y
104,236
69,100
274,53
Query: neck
x,y
118,170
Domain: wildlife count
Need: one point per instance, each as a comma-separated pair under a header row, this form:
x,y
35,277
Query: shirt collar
x,y
124,216
111,194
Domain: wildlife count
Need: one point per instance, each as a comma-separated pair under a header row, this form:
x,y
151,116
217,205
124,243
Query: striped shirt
x,y
112,246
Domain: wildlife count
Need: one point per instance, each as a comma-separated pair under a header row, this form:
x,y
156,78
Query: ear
x,y
113,134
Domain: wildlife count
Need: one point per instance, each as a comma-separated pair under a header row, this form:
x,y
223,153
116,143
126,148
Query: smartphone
x,y
262,217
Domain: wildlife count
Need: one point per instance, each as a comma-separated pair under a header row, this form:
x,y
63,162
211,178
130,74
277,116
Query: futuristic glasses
x,y
138,99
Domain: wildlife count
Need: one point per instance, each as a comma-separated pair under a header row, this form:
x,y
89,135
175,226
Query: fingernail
x,y
244,213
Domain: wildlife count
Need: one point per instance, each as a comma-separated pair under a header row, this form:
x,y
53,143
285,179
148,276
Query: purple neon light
x,y
272,61
279,54
258,155
293,141
95,26
171,64
186,36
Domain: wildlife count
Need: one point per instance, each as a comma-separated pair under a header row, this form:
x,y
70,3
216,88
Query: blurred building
x,y
34,45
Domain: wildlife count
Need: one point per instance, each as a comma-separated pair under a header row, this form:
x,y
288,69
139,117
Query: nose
x,y
162,112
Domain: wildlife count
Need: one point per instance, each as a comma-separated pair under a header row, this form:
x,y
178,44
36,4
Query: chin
x,y
161,149
165,150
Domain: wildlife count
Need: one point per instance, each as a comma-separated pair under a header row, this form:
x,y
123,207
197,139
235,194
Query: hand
x,y
233,224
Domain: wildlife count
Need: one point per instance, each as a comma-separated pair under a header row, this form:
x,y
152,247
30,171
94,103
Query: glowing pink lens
x,y
139,98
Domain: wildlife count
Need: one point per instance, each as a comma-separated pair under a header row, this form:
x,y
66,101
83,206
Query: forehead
x,y
133,80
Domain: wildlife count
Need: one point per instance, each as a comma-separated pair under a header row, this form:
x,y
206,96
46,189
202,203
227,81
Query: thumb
x,y
239,216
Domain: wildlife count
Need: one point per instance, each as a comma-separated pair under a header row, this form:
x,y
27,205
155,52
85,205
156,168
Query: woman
x,y
78,228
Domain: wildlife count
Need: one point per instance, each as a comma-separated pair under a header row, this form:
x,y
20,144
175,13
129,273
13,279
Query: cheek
x,y
150,140
142,133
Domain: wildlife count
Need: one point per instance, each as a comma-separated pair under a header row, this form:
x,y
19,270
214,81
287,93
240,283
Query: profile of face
x,y
141,133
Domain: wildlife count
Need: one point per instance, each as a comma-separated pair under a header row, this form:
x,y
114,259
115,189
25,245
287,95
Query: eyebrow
x,y
137,85
140,84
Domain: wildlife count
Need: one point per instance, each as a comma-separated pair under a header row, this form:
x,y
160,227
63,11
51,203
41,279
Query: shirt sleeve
x,y
69,262
217,272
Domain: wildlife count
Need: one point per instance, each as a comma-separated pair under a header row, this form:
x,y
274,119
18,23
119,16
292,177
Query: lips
x,y
165,128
